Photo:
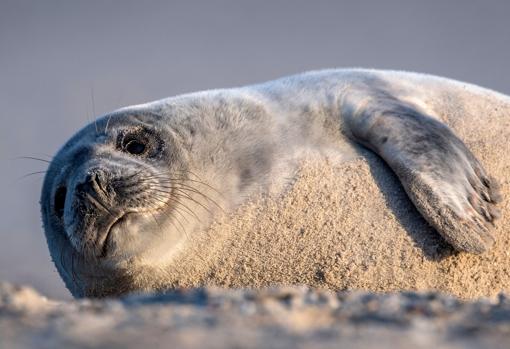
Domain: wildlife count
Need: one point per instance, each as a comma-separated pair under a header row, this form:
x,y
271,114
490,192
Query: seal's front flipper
x,y
441,176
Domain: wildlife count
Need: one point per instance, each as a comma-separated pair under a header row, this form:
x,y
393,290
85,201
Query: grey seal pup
x,y
131,191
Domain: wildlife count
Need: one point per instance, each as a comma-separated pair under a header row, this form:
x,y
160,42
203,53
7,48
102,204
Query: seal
x,y
129,192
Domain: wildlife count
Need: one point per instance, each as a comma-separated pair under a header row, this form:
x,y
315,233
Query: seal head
x,y
132,188
113,190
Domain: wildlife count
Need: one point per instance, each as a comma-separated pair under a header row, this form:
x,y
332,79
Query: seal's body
x,y
130,192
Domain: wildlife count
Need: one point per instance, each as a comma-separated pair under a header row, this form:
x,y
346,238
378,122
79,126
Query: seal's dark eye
x,y
140,142
60,201
135,147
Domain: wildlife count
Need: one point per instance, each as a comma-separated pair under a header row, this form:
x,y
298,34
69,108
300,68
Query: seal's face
x,y
112,192
138,188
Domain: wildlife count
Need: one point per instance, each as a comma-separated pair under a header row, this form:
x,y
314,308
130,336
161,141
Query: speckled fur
x,y
237,145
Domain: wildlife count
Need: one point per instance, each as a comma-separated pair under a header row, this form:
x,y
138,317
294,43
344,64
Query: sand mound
x,y
351,226
276,318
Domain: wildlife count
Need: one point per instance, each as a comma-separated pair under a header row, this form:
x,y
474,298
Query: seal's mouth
x,y
107,236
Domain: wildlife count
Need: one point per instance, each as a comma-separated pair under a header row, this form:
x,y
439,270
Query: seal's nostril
x,y
95,182
100,183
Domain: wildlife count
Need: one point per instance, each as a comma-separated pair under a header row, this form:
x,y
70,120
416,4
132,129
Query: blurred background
x,y
63,61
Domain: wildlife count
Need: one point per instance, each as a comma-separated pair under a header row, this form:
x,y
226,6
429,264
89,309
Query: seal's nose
x,y
95,183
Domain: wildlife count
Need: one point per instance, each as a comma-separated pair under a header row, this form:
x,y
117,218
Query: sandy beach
x,y
295,317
